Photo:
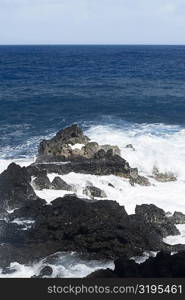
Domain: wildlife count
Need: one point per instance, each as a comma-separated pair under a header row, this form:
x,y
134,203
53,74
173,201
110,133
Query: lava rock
x,y
41,182
15,187
163,177
157,217
59,184
93,191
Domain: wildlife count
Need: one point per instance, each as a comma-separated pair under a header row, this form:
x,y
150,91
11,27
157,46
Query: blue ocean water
x,y
44,88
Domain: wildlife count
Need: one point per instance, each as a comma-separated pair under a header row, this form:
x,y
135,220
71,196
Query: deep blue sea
x,y
45,88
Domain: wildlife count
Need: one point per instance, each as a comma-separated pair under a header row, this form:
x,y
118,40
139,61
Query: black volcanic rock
x,y
59,145
163,265
101,229
57,155
157,217
15,188
178,218
59,184
93,191
41,182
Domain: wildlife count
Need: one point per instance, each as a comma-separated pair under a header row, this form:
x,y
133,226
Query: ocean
x,y
119,95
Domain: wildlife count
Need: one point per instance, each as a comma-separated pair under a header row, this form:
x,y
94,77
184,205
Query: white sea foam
x,y
77,146
68,265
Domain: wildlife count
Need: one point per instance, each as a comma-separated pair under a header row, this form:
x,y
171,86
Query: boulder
x,y
130,146
59,184
178,218
15,187
41,182
164,265
93,191
157,217
163,177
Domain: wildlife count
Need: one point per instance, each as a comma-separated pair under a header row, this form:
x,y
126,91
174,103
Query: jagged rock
x,y
157,216
141,180
163,265
93,191
163,177
178,218
59,146
57,155
15,188
130,146
101,229
59,184
41,182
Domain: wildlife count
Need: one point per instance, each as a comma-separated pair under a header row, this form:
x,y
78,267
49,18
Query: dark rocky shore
x,y
96,229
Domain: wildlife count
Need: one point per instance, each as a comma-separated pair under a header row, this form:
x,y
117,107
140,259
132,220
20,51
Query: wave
x,y
64,265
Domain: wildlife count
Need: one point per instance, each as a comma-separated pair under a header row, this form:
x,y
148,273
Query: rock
x,y
157,217
141,180
178,218
111,185
130,146
107,273
126,268
93,191
101,229
57,155
15,188
90,149
59,145
41,182
59,184
163,177
164,265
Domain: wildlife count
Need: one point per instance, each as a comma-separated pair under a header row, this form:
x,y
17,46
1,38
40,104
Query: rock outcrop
x,y
163,177
59,155
163,265
102,229
93,191
15,187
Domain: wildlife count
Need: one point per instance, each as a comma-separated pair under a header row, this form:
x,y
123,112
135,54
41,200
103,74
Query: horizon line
x,y
92,44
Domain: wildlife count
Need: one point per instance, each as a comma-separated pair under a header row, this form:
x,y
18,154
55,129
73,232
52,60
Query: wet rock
x,y
93,191
163,177
178,218
15,188
130,146
59,146
157,217
164,265
59,184
41,182
141,180
107,273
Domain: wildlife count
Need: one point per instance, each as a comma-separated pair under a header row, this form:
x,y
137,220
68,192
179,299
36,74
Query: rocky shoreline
x,y
31,230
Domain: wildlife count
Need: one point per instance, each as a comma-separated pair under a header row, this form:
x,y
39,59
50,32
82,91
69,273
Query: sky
x,y
92,21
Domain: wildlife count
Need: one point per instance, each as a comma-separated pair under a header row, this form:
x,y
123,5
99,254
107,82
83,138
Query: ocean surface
x,y
119,95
